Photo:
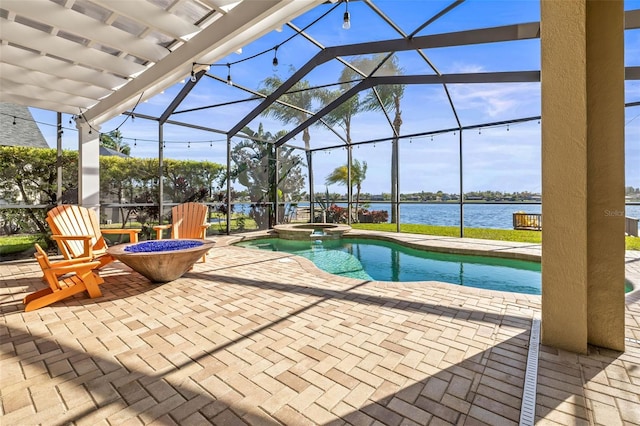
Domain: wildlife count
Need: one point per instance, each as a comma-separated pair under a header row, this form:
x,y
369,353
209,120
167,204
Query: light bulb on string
x,y
135,142
507,127
193,76
479,131
229,82
189,144
275,58
14,121
346,18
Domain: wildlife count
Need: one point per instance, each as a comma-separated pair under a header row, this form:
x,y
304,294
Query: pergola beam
x,y
246,22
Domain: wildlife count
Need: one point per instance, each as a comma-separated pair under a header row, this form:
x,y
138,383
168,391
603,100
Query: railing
x,y
631,226
528,221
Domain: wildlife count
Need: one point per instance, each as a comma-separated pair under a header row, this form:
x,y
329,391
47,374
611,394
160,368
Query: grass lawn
x,y
632,243
18,243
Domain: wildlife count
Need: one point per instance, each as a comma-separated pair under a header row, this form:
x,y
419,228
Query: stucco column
x,y
89,165
582,173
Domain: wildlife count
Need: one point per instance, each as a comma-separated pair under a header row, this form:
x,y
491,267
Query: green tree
x,y
342,116
29,176
385,97
358,174
255,168
117,181
113,140
188,180
302,98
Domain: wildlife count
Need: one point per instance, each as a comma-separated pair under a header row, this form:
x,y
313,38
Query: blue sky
x,y
495,158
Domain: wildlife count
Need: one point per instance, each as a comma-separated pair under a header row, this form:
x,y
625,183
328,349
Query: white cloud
x,y
497,101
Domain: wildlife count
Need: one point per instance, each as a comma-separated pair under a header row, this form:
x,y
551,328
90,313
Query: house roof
x,y
99,58
111,152
25,134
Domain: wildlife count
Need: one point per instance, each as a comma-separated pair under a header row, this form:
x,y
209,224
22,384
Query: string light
x,y
275,62
193,73
275,57
479,130
507,127
188,144
14,120
229,82
346,18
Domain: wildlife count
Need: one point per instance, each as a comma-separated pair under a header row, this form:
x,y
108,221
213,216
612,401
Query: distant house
x,y
108,152
18,128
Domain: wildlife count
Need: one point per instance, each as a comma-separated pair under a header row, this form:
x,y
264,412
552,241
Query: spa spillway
x,y
311,231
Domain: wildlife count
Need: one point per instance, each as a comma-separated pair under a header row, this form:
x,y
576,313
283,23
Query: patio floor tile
x,y
257,337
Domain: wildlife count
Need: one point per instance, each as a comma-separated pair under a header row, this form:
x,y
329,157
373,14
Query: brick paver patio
x,y
264,338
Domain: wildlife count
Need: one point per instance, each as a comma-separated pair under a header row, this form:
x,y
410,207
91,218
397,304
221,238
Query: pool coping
x,y
454,245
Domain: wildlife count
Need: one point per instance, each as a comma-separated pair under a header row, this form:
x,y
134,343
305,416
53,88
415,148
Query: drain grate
x,y
528,408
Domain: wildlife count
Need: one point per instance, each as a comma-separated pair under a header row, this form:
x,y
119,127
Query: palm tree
x,y
390,96
302,96
358,174
343,114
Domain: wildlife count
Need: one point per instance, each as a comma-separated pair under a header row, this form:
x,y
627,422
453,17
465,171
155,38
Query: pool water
x,y
386,261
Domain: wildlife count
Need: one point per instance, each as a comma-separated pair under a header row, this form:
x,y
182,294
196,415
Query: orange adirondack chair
x,y
77,276
77,231
189,221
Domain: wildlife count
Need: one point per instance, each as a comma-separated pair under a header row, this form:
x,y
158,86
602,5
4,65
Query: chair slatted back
x,y
188,219
71,220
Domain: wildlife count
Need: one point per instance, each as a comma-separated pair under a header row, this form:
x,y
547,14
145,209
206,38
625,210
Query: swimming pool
x,y
386,261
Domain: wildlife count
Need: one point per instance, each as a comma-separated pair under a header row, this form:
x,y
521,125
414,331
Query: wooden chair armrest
x,y
88,252
74,261
159,229
72,237
129,231
162,227
132,232
87,266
